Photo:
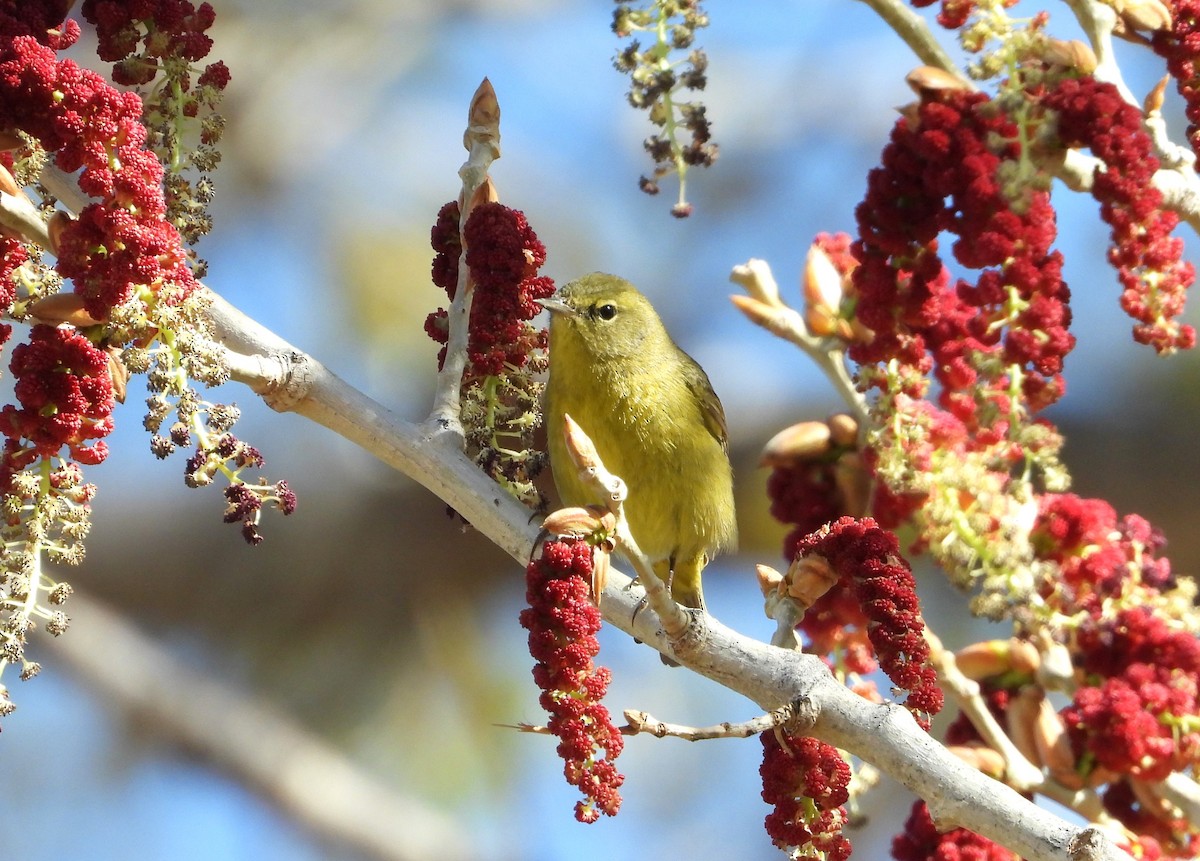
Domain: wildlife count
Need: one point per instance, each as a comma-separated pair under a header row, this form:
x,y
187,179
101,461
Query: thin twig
x,y
788,323
1018,770
911,28
642,723
482,141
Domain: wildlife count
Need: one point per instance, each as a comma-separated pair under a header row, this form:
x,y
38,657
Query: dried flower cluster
x,y
805,781
562,623
657,83
136,305
505,352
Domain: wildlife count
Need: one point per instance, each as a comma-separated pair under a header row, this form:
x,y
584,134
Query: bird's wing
x,y
710,405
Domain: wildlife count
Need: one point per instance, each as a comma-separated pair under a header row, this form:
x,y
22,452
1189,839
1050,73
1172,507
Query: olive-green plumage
x,y
654,418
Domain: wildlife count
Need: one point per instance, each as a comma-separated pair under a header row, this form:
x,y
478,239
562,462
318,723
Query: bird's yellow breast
x,y
650,430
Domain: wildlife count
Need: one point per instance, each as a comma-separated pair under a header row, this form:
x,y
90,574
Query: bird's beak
x,y
554,306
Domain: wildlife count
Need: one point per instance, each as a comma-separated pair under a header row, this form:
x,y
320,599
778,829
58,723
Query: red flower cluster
x,y
1149,262
921,841
805,495
837,627
1140,713
12,255
1126,724
562,624
1098,557
868,562
109,251
503,256
119,244
446,239
42,19
1178,46
805,781
66,396
939,173
1150,834
954,12
166,28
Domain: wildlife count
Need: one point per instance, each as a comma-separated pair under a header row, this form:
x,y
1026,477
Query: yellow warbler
x,y
655,421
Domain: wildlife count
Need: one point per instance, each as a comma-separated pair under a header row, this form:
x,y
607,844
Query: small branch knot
x,y
291,385
1087,845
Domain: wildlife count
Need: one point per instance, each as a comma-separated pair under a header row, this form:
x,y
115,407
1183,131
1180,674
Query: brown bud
x,y
1054,746
1151,15
795,444
860,334
808,578
931,79
10,140
8,185
755,276
822,281
579,445
1021,719
62,308
579,521
58,222
119,374
993,657
981,660
843,430
910,112
1071,54
759,313
980,757
853,483
483,117
601,564
770,581
1155,98
823,321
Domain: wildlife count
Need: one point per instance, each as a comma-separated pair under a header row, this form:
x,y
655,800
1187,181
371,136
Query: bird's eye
x,y
606,312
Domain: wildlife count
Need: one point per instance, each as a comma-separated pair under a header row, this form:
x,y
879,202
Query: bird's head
x,y
604,317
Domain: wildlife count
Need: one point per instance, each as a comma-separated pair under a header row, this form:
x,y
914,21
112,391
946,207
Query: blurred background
x,y
369,634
